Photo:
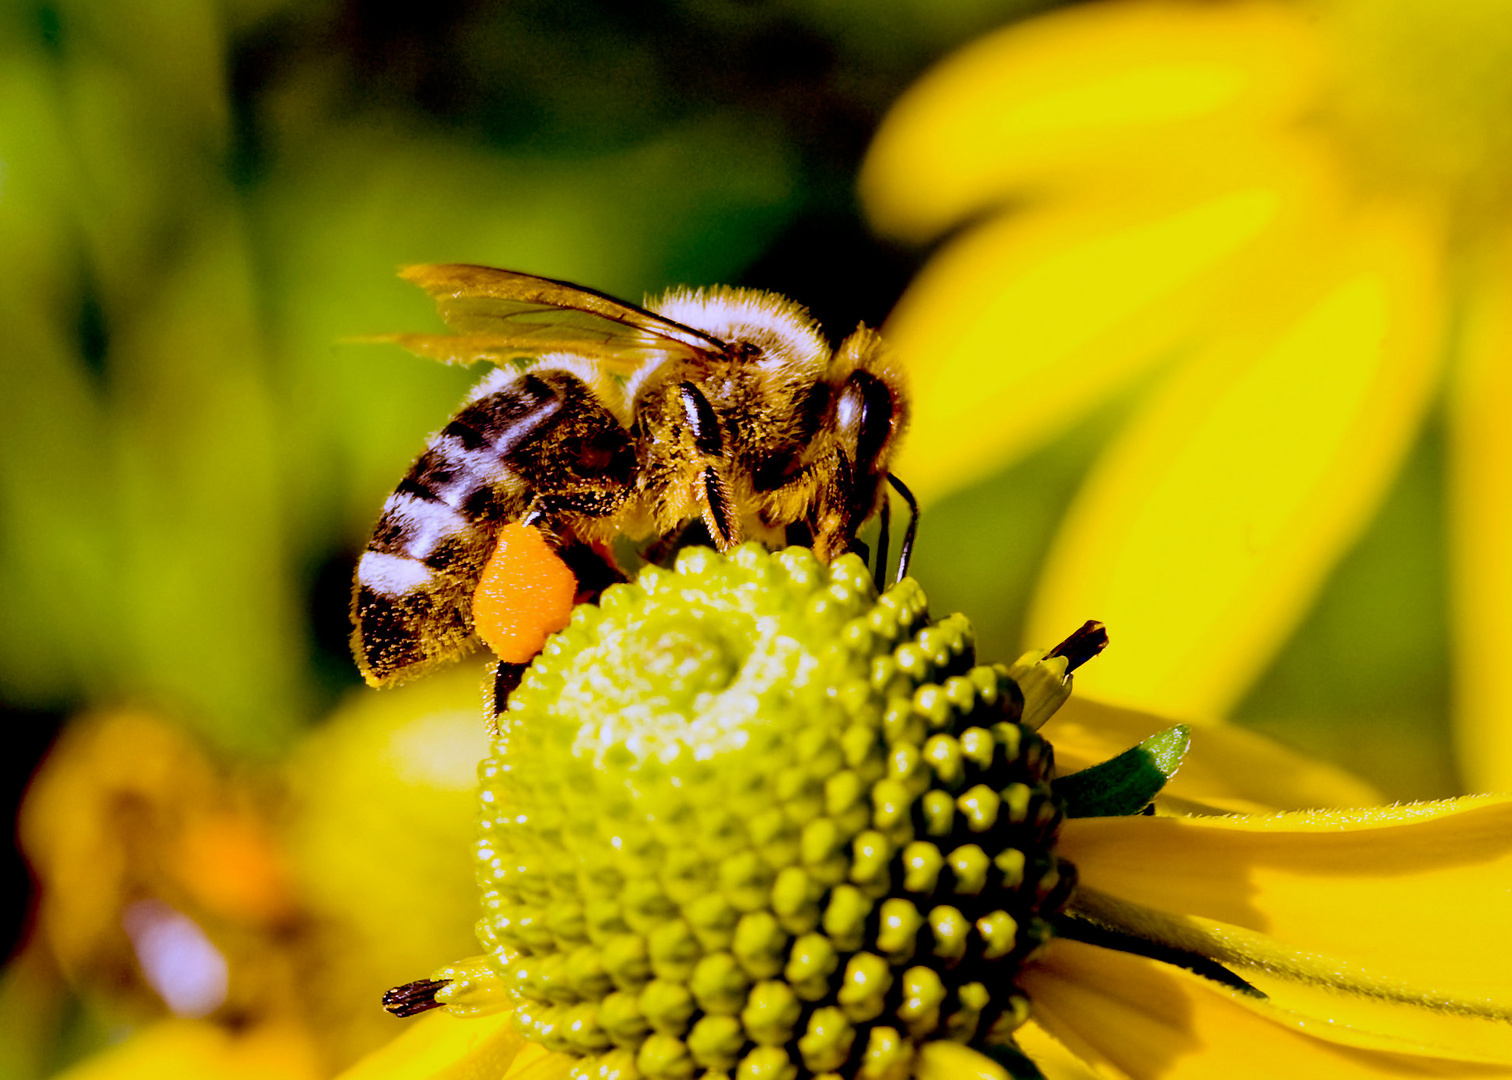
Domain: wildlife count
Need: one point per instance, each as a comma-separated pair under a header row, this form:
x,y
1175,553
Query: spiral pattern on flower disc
x,y
746,815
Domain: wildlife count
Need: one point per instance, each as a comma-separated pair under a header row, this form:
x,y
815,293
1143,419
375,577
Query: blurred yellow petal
x,y
1481,507
1416,894
1226,767
1151,1021
1083,91
443,1047
202,1050
380,822
1208,526
1017,328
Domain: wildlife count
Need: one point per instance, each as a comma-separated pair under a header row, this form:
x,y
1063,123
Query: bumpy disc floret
x,y
747,814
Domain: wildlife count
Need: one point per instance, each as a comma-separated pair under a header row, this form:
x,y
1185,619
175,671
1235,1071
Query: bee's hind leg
x,y
595,570
502,680
593,566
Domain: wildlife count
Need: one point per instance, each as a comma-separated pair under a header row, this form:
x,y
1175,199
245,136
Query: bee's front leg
x,y
716,494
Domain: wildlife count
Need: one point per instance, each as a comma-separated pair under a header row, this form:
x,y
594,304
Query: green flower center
x,y
748,813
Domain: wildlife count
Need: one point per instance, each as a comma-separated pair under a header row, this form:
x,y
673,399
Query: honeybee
x,y
716,411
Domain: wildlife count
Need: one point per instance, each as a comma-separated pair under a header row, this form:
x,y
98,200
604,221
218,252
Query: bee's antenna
x,y
905,553
884,527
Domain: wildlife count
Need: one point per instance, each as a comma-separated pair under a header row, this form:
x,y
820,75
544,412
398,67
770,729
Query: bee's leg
x,y
581,469
502,681
694,534
594,567
866,414
884,541
719,508
905,553
716,492
800,535
595,570
830,516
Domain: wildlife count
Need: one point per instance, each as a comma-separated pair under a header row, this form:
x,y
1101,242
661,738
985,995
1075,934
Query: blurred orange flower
x,y
244,921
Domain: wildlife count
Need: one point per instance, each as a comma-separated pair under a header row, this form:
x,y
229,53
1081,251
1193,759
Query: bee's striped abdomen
x,y
413,596
538,441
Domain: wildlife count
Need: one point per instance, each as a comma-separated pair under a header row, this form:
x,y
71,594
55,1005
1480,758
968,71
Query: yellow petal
x,y
535,1062
444,1047
1420,895
1226,768
1480,414
1084,91
381,800
943,1060
200,1049
1016,329
1150,1021
1328,996
1208,526
1379,1022
1052,1057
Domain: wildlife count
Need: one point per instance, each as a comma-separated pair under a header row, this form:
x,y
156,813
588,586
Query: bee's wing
x,y
501,315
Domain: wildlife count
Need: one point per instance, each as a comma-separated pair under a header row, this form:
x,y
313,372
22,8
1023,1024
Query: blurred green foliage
x,y
199,203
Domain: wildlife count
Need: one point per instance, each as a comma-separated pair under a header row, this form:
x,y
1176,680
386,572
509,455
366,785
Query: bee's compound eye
x,y
865,413
524,595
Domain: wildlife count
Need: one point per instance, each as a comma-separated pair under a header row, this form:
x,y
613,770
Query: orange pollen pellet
x,y
524,596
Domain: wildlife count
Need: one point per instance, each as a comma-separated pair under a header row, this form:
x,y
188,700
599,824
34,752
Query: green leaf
x,y
1125,784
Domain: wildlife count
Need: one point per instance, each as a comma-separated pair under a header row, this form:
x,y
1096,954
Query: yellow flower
x,y
1288,226
1380,938
748,818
